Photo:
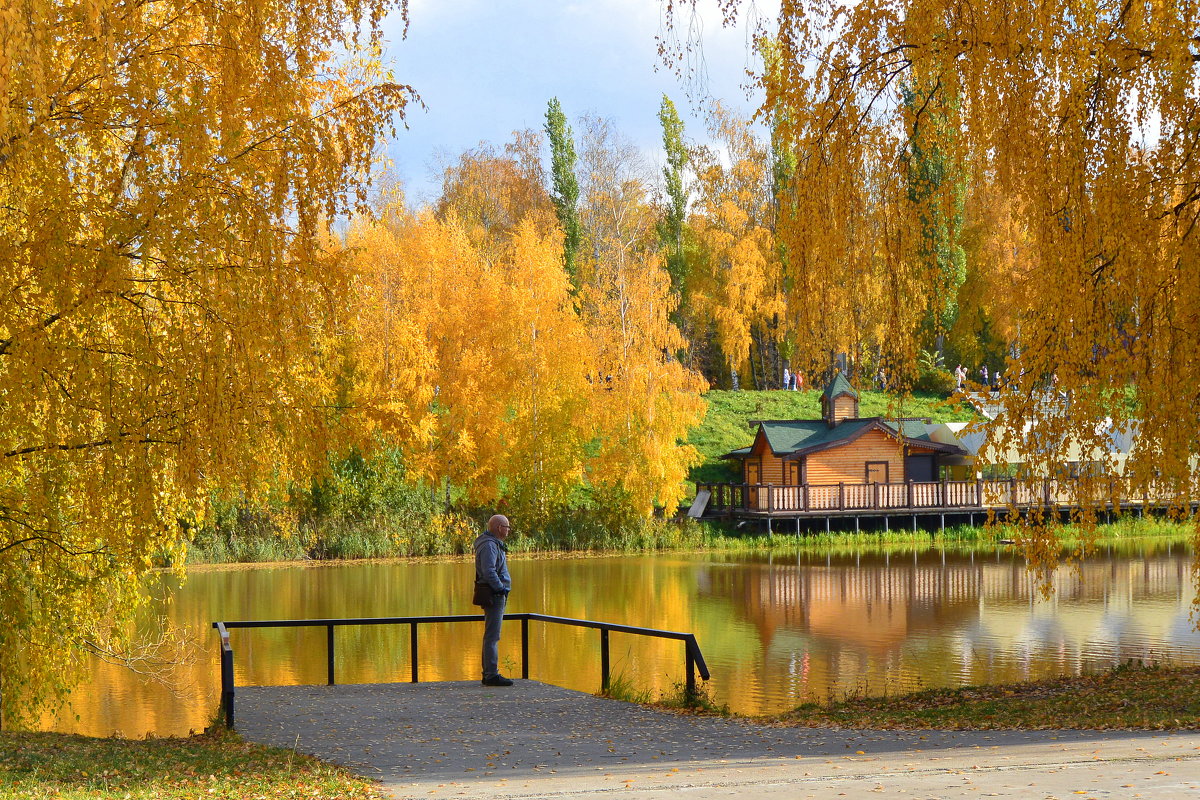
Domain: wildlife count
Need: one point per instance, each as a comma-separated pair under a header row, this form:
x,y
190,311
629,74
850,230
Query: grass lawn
x,y
45,765
726,426
1127,697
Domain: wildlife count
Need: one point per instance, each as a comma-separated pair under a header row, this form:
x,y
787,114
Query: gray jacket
x,y
491,563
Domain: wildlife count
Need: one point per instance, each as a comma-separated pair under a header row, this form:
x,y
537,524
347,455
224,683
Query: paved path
x,y
461,740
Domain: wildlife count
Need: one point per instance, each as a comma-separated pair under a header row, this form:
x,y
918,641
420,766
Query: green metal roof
x,y
786,437
839,385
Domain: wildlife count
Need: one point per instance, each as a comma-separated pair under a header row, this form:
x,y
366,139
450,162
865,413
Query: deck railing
x,y
693,659
932,496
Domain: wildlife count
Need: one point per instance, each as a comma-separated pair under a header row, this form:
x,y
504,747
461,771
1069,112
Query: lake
x,y
775,629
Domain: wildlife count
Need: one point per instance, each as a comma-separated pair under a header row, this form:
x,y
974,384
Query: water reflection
x,y
775,630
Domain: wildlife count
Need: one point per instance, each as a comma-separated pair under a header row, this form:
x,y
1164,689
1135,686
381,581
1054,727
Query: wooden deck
x,y
1004,496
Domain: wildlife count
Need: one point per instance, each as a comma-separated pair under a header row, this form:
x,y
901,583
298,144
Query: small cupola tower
x,y
839,401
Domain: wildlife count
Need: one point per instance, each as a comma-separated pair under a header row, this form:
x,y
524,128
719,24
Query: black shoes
x,y
497,680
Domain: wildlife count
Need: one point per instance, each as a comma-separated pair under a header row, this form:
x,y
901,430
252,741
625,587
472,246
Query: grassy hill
x,y
726,426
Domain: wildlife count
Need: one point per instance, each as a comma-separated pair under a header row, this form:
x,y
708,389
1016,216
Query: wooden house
x,y
842,447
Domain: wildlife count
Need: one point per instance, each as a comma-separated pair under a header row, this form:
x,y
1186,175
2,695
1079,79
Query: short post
x,y
525,648
329,651
689,688
841,497
604,659
910,493
412,648
227,683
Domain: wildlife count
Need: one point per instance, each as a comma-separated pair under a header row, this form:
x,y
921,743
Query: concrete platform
x,y
533,740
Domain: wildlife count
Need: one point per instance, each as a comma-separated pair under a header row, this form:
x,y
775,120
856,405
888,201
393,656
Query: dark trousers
x,y
492,617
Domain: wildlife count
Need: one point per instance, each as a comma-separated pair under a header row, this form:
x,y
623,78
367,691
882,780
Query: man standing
x,y
491,573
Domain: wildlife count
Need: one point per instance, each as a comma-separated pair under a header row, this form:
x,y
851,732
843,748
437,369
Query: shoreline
x,y
1124,532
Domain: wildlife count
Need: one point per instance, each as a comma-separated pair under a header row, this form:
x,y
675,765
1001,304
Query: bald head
x,y
498,526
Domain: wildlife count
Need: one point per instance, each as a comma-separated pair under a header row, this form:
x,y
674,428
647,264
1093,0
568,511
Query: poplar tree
x,y
672,223
564,191
936,188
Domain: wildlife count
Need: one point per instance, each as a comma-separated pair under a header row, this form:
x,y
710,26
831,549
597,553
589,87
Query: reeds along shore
x,y
384,536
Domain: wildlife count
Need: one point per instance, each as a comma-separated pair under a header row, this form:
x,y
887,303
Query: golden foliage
x,y
528,398
1076,123
165,304
738,282
644,401
492,191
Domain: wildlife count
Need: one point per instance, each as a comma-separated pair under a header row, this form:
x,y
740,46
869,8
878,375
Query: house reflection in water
x,y
879,624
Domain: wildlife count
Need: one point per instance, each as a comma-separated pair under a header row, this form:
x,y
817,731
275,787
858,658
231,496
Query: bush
x,y
936,381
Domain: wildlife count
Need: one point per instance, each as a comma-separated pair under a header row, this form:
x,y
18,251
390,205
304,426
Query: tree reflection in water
x,y
775,629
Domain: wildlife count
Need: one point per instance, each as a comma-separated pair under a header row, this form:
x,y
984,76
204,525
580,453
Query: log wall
x,y
847,464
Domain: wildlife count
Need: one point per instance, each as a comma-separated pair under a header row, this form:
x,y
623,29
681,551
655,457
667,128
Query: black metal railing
x,y
693,658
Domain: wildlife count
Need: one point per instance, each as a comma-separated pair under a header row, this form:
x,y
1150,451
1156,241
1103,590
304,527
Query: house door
x,y
877,472
752,478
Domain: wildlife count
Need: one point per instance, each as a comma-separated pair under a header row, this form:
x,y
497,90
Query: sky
x,y
485,68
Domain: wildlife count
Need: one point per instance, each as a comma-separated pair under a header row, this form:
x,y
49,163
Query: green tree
x,y
670,228
936,186
564,185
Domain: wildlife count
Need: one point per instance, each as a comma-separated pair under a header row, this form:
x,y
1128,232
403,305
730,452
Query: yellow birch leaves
x,y
1073,125
531,399
166,308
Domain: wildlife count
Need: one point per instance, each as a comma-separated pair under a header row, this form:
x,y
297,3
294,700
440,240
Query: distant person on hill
x,y
983,373
492,585
960,377
787,379
798,381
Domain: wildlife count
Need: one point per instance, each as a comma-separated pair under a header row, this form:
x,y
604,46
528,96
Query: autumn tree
x,y
737,281
1082,116
505,355
167,310
491,190
615,186
645,400
530,400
